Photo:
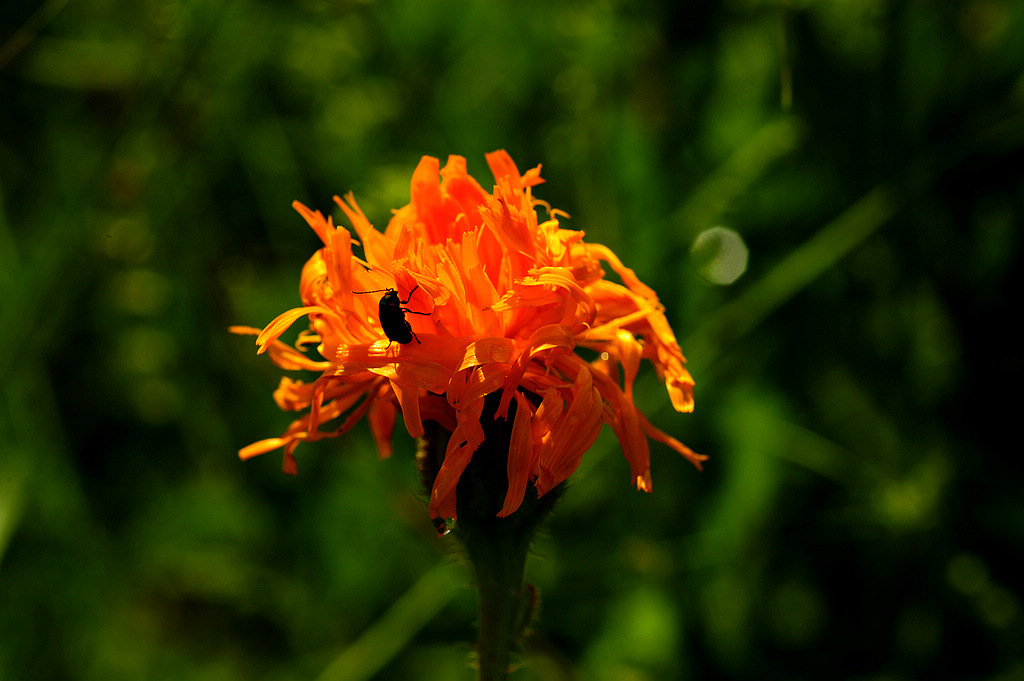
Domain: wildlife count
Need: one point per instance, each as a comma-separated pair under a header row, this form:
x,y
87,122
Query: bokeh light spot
x,y
141,292
797,613
967,573
720,255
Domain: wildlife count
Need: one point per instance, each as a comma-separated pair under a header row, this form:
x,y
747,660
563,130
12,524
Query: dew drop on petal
x,y
499,354
442,525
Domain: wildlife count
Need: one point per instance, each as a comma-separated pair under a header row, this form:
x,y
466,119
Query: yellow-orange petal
x,y
680,392
293,395
282,355
281,323
628,276
290,359
502,166
338,262
261,447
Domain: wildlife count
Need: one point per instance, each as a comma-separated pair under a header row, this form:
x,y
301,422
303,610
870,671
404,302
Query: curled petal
x,y
382,424
572,435
520,457
289,465
282,355
436,408
680,391
467,436
285,320
692,456
549,337
629,356
624,418
551,286
474,384
627,275
408,397
293,395
549,412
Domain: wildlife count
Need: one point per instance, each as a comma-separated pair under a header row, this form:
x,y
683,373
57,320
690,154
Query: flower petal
x,y
281,323
465,440
652,432
520,457
282,355
322,227
572,435
377,248
548,337
408,396
382,424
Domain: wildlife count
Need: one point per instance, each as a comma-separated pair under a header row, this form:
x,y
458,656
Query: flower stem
x,y
496,547
504,605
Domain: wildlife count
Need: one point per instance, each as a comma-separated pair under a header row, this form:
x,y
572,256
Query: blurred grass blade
x,y
791,275
85,64
393,631
29,30
705,205
12,497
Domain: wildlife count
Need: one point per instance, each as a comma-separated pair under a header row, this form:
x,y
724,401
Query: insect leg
x,y
407,326
406,301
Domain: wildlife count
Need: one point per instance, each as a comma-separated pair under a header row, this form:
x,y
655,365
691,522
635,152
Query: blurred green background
x,y
827,195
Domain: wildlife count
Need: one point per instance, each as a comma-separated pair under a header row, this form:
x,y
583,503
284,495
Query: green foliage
x,y
860,516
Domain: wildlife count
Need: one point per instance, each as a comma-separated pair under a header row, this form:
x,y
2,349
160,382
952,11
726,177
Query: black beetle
x,y
392,315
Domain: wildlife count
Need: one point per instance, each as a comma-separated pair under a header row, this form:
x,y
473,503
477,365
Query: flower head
x,y
495,302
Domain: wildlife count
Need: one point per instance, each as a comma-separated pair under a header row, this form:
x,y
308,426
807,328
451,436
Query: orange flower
x,y
502,301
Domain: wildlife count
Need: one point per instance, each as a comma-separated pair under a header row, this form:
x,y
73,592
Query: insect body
x,y
392,315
